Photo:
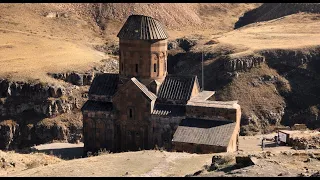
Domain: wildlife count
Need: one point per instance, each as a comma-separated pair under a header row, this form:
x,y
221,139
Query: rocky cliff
x,y
274,87
26,107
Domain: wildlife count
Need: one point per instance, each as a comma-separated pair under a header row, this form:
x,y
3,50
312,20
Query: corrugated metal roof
x,y
144,89
104,84
139,27
177,87
96,106
200,131
169,110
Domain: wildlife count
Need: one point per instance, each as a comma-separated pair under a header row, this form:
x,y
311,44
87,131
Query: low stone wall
x,y
197,148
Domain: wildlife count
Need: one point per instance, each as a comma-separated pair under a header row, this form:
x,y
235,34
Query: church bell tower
x,y
143,49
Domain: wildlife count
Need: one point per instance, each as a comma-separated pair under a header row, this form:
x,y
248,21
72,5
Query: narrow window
x,y
130,113
154,67
137,70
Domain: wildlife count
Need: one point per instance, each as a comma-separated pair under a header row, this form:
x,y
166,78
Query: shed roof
x,y
177,87
169,110
201,131
104,84
140,27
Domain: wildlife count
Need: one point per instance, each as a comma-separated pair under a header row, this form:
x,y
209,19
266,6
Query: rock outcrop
x,y
79,79
242,63
24,106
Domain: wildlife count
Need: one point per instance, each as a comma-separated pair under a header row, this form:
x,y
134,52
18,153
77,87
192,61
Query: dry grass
x,y
254,99
32,45
141,163
26,161
294,31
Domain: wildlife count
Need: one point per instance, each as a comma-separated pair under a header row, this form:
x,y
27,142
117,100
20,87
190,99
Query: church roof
x,y
177,87
104,84
139,27
201,131
169,110
144,89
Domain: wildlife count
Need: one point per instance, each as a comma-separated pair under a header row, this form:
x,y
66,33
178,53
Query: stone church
x,y
144,107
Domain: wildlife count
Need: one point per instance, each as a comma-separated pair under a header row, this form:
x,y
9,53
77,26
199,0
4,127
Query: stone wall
x,y
222,113
98,130
133,129
143,59
162,130
198,148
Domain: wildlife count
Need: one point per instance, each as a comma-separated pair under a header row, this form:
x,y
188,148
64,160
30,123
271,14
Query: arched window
x,y
130,113
155,67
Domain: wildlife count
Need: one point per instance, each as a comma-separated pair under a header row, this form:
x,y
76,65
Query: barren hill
x,y
61,37
269,11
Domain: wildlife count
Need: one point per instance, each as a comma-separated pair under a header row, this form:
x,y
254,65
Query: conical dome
x,y
139,27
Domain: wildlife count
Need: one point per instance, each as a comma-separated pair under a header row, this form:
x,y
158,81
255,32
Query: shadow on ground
x,y
64,153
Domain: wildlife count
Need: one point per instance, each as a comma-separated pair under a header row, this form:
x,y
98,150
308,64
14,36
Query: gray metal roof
x,y
177,87
208,132
144,89
169,110
104,84
96,106
139,27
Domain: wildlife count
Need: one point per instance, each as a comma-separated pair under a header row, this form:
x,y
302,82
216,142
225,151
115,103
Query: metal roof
x,y
201,131
169,110
177,87
104,84
140,27
144,89
96,106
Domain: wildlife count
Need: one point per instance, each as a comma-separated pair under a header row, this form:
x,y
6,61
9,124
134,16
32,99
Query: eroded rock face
x,y
28,104
243,63
79,79
290,58
30,90
8,131
46,133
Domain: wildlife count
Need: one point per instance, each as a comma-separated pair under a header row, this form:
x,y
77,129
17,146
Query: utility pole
x,y
202,78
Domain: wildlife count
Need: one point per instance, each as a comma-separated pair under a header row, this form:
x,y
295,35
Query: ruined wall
x,y
197,148
149,56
